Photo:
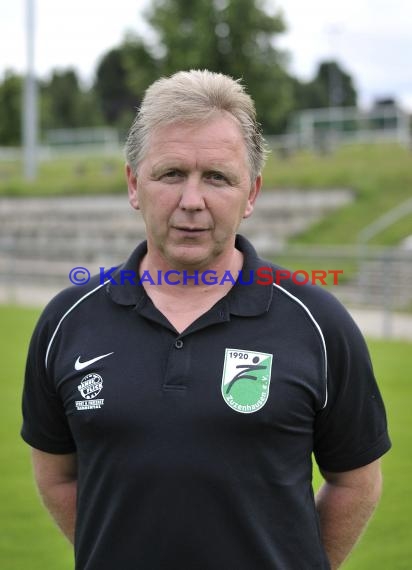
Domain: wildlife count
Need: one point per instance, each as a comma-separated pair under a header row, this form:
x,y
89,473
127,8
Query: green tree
x,y
11,93
235,37
332,86
141,67
122,76
64,104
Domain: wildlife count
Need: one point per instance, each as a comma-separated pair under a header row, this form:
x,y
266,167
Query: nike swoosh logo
x,y
80,365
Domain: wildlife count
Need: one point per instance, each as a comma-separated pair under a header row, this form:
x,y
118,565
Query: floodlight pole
x,y
30,100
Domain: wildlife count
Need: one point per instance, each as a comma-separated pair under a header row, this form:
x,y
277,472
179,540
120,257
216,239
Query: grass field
x,y
29,540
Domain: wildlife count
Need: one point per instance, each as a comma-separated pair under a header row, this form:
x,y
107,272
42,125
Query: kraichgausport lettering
x,y
262,276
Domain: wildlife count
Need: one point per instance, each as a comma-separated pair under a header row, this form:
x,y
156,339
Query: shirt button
x,y
179,344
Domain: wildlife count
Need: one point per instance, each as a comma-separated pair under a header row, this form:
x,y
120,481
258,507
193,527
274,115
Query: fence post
x,y
387,293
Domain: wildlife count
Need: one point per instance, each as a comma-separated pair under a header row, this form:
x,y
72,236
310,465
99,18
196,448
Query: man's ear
x,y
132,187
253,194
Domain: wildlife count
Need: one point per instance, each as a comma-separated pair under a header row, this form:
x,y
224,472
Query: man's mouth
x,y
190,229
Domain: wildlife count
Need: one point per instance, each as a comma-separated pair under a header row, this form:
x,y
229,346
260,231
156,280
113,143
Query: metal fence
x,y
371,279
323,130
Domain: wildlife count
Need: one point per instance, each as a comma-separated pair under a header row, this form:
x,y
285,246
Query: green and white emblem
x,y
246,379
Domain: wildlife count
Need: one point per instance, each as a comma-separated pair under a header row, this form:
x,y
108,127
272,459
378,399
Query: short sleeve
x,y
45,425
351,431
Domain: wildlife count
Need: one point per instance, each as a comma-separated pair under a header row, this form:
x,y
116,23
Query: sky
x,y
371,39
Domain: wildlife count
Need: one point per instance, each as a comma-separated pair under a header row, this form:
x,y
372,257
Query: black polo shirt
x,y
194,449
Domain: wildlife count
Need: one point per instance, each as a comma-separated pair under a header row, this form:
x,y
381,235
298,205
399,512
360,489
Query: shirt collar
x,y
127,292
254,299
246,300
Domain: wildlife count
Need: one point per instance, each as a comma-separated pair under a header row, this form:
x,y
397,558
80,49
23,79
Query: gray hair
x,y
194,96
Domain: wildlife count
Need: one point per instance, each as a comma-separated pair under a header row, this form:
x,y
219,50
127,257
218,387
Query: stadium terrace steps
x,y
42,238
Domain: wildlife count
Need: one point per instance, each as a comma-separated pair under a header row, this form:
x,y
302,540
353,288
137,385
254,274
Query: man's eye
x,y
171,176
216,177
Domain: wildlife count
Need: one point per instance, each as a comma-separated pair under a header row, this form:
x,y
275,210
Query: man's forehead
x,y
222,127
211,144
219,139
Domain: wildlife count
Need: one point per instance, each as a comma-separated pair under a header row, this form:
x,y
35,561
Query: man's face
x,y
193,188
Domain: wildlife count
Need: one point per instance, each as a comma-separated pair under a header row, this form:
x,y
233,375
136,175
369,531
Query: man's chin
x,y
190,258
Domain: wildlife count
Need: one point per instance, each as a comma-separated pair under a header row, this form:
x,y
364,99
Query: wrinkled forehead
x,y
223,124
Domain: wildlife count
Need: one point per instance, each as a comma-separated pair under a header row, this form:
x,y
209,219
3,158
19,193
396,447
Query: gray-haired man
x,y
173,421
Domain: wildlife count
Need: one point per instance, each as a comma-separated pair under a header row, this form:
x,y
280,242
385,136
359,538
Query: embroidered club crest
x,y
246,379
90,386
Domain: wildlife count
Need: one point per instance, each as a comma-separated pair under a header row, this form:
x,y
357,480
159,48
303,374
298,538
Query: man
x,y
172,420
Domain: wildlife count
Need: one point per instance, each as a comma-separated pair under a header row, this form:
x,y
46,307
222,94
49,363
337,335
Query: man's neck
x,y
188,299
190,279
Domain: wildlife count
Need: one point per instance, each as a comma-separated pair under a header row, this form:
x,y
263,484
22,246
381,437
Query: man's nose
x,y
192,194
